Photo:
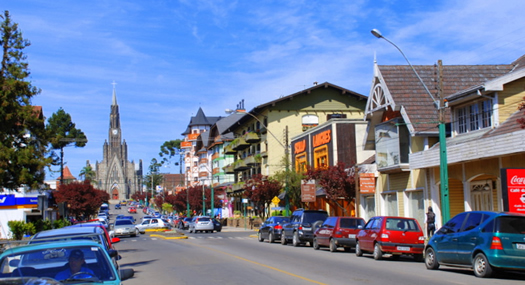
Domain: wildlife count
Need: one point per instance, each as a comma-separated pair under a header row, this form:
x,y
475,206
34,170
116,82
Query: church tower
x,y
115,174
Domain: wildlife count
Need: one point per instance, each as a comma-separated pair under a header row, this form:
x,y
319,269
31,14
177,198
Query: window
x,y
335,116
391,204
392,143
300,163
309,121
321,157
454,225
474,117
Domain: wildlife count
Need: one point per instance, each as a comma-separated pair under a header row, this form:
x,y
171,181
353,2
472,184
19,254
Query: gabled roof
x,y
411,98
67,174
200,120
307,91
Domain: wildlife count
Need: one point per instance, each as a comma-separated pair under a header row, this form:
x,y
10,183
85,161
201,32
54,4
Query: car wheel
x,y
295,239
259,237
482,267
315,244
283,239
270,237
430,259
333,246
358,251
378,254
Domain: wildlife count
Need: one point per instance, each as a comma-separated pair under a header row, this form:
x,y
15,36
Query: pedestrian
x,y
430,220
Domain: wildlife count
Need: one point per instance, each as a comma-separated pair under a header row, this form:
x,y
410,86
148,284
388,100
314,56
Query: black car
x,y
271,228
302,226
217,225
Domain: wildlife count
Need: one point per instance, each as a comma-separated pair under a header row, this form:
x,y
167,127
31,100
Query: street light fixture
x,y
443,167
287,201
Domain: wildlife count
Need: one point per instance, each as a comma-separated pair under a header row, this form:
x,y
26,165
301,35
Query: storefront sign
x,y
322,138
513,184
367,183
299,146
308,191
10,201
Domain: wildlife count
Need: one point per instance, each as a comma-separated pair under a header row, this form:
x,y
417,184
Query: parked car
x,y
338,232
47,260
217,225
302,225
200,224
271,228
391,235
152,223
482,240
122,217
109,237
117,207
132,210
185,223
124,227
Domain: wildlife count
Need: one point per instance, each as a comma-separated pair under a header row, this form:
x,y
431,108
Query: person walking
x,y
430,221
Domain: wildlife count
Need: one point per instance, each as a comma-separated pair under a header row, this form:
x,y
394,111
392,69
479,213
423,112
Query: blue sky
x,y
169,58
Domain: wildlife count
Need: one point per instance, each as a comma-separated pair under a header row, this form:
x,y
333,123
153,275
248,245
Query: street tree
x,y
261,190
62,132
291,181
82,198
154,178
87,173
169,149
180,201
22,131
336,180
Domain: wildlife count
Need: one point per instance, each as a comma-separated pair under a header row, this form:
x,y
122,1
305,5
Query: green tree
x,y
154,178
88,173
291,180
22,131
62,132
169,149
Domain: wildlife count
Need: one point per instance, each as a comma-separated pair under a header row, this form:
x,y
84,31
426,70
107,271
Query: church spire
x,y
114,94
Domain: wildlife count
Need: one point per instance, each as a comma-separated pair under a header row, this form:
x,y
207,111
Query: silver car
x,y
201,223
124,227
153,223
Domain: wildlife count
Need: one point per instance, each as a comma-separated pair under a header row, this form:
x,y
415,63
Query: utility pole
x,y
286,187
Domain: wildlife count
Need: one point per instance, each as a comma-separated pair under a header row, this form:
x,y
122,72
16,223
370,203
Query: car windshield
x,y
511,224
313,217
123,222
398,224
49,262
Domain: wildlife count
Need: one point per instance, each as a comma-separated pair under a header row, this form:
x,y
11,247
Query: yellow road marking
x,y
257,263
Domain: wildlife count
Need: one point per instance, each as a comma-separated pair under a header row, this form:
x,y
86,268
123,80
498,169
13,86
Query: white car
x,y
201,223
152,224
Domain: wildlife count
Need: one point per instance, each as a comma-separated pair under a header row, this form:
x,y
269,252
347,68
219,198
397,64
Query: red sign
x,y
308,191
367,183
513,180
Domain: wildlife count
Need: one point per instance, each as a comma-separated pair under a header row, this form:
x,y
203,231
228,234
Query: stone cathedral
x,y
115,174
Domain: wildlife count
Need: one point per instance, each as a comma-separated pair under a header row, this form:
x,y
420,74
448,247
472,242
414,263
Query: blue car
x,y
485,241
50,262
117,207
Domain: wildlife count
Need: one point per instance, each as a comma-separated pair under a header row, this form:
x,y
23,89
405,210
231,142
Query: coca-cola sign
x,y
513,189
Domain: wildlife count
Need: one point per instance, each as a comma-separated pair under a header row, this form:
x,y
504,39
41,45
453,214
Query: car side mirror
x,y
126,273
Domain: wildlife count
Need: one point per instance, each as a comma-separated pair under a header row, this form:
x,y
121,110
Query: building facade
x,y
116,175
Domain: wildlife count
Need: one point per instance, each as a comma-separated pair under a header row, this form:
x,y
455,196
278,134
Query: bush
x,y
21,228
61,223
43,225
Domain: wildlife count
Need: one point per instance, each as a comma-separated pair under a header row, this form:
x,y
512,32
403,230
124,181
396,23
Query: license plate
x,y
403,248
520,245
307,229
351,236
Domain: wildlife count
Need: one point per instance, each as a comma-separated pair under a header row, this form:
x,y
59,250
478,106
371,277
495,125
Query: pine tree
x,y
22,131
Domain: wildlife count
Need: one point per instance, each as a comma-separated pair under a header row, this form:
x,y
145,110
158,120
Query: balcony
x,y
253,159
203,160
251,137
228,169
215,156
238,186
204,174
240,165
239,144
229,150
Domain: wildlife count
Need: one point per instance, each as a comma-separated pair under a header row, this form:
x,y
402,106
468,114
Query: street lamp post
x,y
443,167
287,200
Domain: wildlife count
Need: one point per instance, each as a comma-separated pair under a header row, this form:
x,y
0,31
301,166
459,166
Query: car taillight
x,y
338,233
496,243
300,228
422,239
278,227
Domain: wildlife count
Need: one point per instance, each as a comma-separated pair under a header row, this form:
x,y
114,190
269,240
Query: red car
x,y
391,235
338,232
132,210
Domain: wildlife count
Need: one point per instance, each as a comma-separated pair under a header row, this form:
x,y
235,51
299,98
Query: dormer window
x,y
474,117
